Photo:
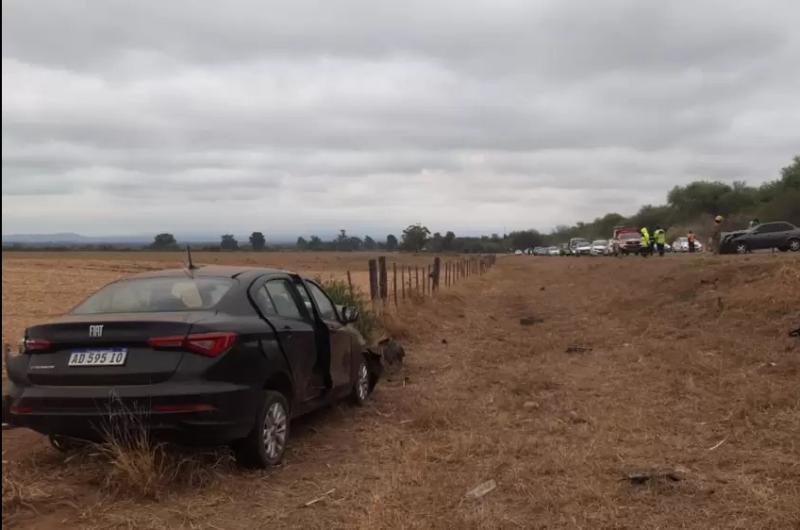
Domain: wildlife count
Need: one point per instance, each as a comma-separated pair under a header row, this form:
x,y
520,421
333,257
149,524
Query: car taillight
x,y
208,344
35,345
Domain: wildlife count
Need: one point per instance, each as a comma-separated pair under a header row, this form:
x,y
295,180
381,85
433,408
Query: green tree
x,y
436,243
525,239
448,243
391,242
164,241
414,238
229,243
315,243
258,241
301,244
369,243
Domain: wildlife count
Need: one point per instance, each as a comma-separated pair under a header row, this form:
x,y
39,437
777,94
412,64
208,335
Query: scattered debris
x,y
642,477
529,321
795,333
531,405
575,348
392,353
574,418
321,498
481,489
444,341
541,288
717,445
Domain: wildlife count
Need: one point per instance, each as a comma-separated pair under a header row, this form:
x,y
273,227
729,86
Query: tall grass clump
x,y
368,323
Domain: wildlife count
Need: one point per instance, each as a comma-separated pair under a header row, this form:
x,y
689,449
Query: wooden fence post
x,y
437,263
382,279
403,281
428,281
416,274
373,280
350,285
394,281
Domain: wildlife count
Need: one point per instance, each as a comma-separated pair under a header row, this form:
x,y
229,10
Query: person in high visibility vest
x,y
644,248
660,237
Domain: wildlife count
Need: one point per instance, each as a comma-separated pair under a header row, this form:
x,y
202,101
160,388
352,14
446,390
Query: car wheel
x,y
794,245
64,444
741,248
266,443
361,385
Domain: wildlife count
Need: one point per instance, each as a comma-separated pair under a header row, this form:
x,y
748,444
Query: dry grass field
x,y
679,369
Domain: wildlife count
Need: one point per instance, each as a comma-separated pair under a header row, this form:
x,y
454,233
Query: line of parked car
x,y
778,235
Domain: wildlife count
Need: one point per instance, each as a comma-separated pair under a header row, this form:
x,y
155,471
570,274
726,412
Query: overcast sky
x,y
130,117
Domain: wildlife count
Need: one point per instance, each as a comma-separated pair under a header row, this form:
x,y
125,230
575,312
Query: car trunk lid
x,y
118,335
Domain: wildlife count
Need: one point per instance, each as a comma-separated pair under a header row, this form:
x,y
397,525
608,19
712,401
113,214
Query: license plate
x,y
106,357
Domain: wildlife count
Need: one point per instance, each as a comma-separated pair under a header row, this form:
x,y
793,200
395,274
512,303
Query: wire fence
x,y
397,283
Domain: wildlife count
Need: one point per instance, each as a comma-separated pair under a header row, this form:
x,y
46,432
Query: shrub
x,y
339,291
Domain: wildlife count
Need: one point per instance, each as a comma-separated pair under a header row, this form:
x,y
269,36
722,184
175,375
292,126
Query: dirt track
x,y
680,364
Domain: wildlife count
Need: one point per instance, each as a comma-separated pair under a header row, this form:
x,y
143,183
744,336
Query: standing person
x,y
690,239
660,238
716,232
645,242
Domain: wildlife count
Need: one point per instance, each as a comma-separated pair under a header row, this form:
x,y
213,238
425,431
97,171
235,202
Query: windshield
x,y
600,242
156,294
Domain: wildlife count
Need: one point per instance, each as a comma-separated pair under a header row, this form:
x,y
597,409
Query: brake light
x,y
166,342
32,345
16,409
208,344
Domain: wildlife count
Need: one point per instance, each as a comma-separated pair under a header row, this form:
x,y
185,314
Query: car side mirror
x,y
349,314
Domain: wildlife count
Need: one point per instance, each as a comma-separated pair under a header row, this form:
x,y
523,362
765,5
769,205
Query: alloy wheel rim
x,y
741,248
362,384
794,245
274,430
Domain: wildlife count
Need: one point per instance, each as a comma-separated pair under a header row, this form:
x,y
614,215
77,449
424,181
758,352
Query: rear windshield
x,y
146,295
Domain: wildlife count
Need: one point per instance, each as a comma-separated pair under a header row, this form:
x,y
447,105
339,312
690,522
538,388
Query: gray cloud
x,y
315,115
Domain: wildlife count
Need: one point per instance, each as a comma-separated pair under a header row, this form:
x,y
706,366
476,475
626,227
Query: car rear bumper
x,y
186,412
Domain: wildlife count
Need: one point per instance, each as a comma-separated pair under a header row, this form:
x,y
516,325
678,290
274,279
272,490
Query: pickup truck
x,y
626,240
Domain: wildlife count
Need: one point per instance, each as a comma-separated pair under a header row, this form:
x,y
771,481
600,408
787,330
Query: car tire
x,y
266,443
64,444
741,247
794,245
361,386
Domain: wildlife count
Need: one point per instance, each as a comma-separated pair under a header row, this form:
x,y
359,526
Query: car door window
x,y
326,309
264,302
281,296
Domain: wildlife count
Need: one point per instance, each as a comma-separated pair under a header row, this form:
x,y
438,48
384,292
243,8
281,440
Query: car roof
x,y
224,271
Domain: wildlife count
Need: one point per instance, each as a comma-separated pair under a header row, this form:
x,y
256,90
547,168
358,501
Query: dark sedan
x,y
215,355
781,235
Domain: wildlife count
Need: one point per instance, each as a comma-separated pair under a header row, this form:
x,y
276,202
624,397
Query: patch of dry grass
x,y
667,379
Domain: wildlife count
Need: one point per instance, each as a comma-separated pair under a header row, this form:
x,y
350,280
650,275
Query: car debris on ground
x,y
481,489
